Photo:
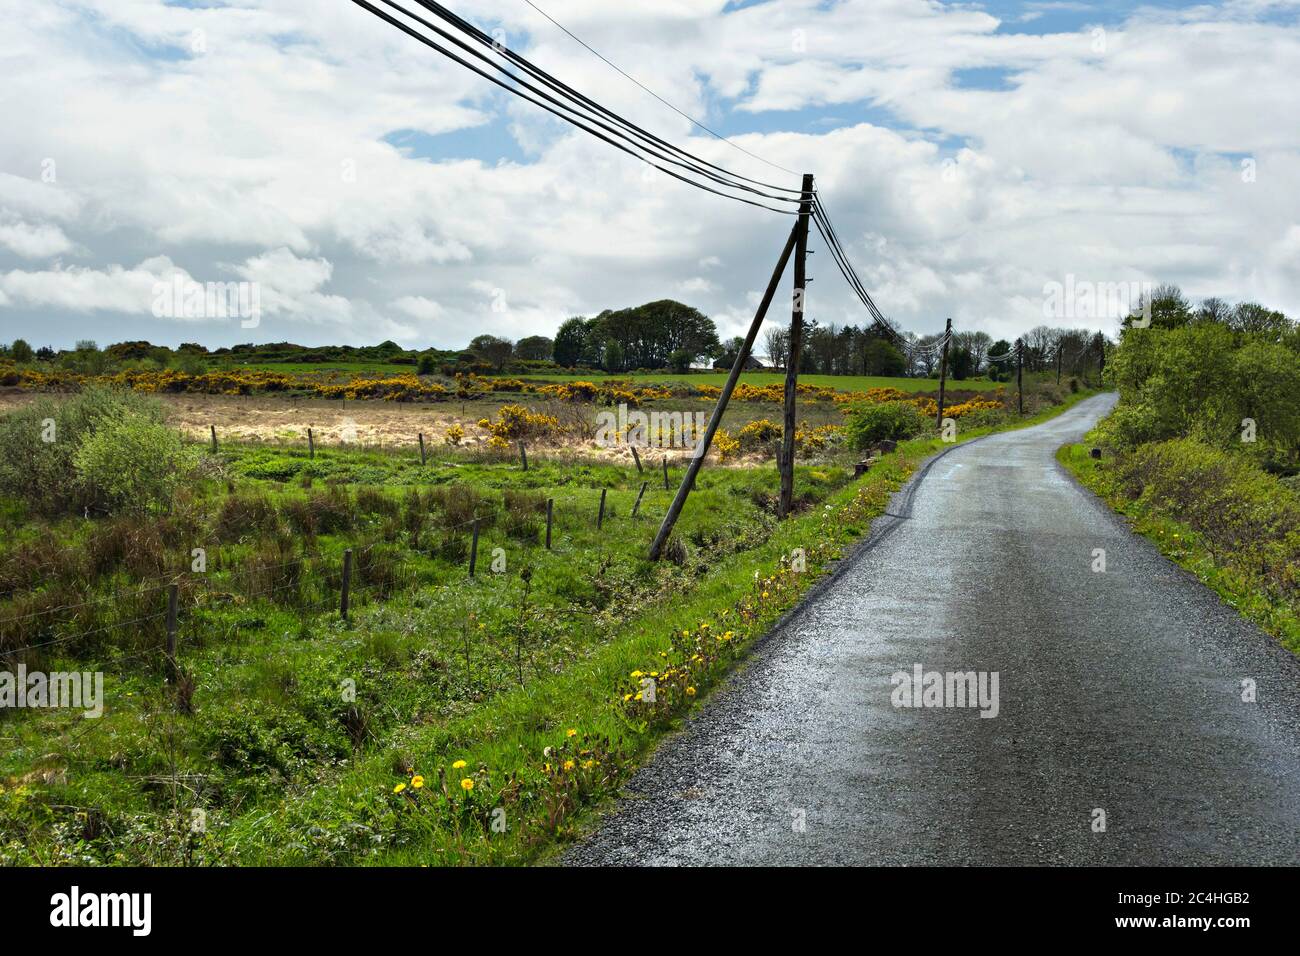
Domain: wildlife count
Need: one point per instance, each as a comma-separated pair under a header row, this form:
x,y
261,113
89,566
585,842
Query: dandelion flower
x,y
690,692
467,784
458,765
571,732
417,782
568,765
399,788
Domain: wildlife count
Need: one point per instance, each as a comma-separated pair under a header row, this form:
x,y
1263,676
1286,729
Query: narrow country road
x,y
1119,692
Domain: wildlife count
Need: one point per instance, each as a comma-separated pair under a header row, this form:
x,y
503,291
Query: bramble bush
x,y
887,421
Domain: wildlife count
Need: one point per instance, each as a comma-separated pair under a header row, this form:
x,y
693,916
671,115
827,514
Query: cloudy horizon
x,y
971,155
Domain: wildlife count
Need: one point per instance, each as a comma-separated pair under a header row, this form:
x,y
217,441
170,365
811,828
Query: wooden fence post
x,y
665,472
311,444
550,513
637,459
347,584
523,455
422,458
473,550
600,517
214,438
173,592
637,507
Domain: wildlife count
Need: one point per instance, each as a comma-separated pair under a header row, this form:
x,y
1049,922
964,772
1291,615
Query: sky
x,y
973,156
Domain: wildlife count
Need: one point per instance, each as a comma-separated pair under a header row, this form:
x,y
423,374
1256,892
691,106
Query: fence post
x,y
347,583
550,511
422,458
473,550
637,459
600,518
665,472
523,455
214,438
637,507
173,592
311,444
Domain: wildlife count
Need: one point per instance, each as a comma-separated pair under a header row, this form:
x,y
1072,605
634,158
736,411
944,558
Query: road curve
x,y
1118,691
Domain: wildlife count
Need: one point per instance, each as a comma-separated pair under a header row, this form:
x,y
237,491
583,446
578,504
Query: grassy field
x,y
843,383
1232,575
450,719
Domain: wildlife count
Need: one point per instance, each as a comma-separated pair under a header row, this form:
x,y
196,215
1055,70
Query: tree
x,y
776,341
1168,308
730,350
571,342
961,363
883,358
493,350
1214,309
977,344
1251,317
1000,368
649,334
613,356
534,348
20,351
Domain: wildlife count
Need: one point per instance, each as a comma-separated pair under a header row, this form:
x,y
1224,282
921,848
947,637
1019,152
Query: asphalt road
x,y
1118,691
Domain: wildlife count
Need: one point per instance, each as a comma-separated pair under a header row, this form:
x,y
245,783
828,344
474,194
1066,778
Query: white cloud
x,y
263,158
39,241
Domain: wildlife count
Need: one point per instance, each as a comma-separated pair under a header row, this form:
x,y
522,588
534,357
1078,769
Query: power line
x,y
619,138
679,112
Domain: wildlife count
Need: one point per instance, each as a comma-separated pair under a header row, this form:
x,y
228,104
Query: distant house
x,y
751,364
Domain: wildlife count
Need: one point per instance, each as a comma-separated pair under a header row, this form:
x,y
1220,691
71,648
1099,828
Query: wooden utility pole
x,y
943,372
702,449
1020,375
796,345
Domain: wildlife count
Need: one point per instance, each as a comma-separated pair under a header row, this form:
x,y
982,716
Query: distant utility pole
x,y
1020,375
1059,349
796,344
943,371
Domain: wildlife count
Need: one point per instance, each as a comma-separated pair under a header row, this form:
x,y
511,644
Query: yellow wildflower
x,y
467,784
399,788
458,765
417,782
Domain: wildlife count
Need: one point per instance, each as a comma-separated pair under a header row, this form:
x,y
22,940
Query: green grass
x,y
844,383
1182,545
493,671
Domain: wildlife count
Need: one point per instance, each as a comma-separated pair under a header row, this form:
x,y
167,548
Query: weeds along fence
x,y
427,538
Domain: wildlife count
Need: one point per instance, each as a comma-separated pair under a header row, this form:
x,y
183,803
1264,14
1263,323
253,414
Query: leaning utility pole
x,y
943,371
796,343
1020,379
702,449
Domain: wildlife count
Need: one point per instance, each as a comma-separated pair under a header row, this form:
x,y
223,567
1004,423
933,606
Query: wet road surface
x,y
1119,692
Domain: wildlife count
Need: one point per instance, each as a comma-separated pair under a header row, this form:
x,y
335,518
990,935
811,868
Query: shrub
x,y
41,441
885,421
132,464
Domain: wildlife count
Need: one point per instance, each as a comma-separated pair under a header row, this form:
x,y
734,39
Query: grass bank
x,y
1234,527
